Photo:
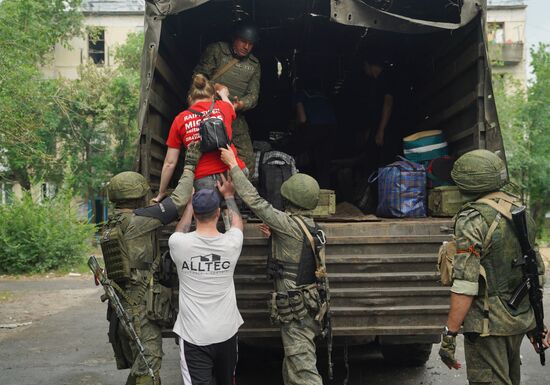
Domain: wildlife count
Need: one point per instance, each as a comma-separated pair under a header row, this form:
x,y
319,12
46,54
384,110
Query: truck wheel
x,y
408,354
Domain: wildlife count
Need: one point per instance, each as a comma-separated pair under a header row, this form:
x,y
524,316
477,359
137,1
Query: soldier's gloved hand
x,y
447,352
192,155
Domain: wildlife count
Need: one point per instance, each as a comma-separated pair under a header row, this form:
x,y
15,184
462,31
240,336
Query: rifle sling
x,y
224,69
310,239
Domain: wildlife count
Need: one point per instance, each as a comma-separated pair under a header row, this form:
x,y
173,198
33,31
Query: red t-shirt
x,y
185,130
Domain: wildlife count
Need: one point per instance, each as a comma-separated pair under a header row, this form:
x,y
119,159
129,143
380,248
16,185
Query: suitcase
x,y
444,201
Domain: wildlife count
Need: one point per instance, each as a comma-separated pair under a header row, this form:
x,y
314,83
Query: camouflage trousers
x,y
126,351
243,143
299,364
493,360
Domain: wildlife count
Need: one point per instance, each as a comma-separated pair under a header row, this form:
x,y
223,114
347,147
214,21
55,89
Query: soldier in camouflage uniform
x,y
295,304
242,78
483,276
146,301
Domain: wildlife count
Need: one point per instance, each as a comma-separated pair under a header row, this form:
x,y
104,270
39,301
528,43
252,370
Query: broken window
x,y
96,45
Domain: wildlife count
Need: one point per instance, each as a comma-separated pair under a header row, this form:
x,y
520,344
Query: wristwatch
x,y
447,332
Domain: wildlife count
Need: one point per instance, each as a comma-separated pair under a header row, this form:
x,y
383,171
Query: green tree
x,y
99,131
525,123
29,29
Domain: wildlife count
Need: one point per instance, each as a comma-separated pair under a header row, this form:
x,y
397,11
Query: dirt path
x,y
23,301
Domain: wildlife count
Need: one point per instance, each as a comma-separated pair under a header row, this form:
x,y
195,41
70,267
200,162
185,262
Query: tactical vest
x,y
498,260
490,313
301,273
115,249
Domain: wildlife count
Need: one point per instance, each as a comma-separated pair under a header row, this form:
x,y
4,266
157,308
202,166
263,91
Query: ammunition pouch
x,y
294,305
158,304
115,341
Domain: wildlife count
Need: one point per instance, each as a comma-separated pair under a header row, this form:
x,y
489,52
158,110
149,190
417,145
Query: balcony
x,y
505,53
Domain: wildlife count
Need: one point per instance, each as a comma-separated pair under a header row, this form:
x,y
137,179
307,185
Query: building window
x,y
495,33
47,191
96,45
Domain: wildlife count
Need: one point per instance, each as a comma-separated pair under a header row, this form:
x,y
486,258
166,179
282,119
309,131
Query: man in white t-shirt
x,y
208,318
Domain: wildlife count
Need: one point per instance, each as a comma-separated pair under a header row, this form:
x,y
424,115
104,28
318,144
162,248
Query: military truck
x,y
382,272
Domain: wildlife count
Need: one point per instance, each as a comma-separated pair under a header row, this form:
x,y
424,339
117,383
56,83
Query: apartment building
x,y
108,23
506,35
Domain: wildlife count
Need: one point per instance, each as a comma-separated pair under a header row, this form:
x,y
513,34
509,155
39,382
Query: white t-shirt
x,y
208,312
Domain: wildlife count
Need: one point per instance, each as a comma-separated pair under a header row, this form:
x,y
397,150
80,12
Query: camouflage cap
x,y
479,171
127,185
301,190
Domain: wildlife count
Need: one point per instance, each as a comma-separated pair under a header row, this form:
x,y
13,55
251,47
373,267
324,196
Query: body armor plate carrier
x,y
114,248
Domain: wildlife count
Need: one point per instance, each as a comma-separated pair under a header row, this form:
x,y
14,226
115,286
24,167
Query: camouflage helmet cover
x,y
127,185
301,190
479,171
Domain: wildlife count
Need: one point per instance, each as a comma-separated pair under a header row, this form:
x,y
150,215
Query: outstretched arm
x,y
184,225
275,219
183,191
170,161
228,191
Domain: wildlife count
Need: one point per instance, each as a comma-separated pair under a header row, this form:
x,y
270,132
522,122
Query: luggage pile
x,y
419,184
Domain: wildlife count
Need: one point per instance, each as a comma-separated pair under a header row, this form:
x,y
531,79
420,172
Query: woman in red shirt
x,y
185,130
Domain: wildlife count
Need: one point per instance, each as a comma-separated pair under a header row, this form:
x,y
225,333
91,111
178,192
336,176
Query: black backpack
x,y
212,131
274,169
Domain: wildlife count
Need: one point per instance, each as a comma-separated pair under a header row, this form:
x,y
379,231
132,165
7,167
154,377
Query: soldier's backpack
x,y
275,168
114,248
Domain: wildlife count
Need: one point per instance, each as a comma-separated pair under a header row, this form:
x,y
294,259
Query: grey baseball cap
x,y
206,201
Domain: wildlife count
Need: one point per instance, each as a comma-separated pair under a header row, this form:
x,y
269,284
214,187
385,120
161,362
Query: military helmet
x,y
479,171
301,190
247,31
126,186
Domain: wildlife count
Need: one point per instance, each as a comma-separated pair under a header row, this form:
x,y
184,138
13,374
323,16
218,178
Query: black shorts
x,y
200,363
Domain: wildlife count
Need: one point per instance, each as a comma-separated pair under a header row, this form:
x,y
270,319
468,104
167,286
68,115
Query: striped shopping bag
x,y
401,190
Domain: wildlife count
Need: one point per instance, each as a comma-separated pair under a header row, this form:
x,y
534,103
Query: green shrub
x,y
37,237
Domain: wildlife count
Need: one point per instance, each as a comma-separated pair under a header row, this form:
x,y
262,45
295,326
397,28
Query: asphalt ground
x,y
66,344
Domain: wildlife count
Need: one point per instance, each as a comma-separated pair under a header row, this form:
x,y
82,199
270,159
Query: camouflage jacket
x,y
288,238
140,234
243,79
471,227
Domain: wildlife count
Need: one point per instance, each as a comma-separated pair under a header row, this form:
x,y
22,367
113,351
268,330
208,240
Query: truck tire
x,y
407,354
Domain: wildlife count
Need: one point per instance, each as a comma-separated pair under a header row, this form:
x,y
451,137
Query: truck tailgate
x,y
382,274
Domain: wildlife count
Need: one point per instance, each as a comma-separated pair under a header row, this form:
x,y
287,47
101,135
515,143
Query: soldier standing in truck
x,y
234,66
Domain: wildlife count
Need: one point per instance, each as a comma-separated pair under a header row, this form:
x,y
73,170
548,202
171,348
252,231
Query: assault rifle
x,y
530,284
114,301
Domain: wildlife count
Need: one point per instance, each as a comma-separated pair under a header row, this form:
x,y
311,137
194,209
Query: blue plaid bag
x,y
401,190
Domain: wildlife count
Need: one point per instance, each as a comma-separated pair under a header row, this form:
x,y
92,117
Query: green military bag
x,y
115,250
445,201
